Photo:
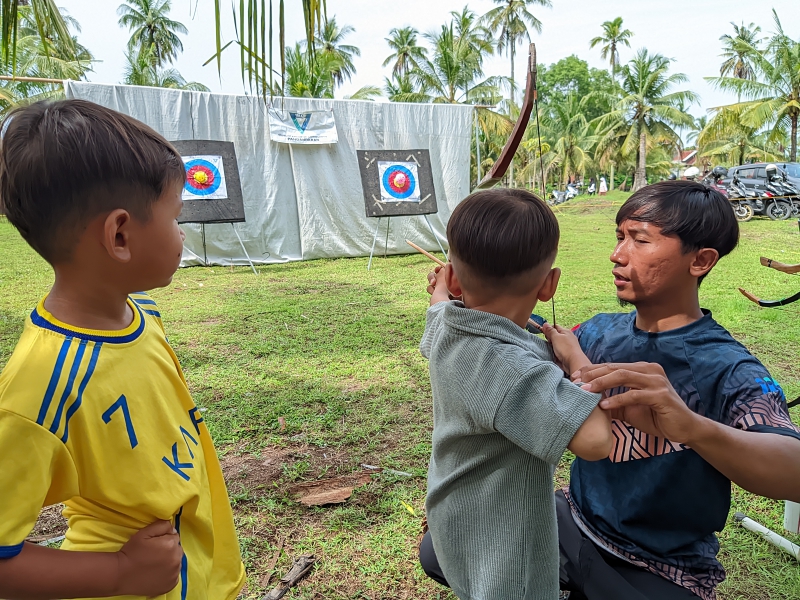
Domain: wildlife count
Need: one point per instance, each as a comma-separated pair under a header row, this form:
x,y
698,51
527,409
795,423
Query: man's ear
x,y
704,261
452,282
550,285
116,235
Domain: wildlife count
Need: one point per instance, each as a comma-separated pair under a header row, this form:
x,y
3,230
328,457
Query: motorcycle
x,y
571,192
740,198
780,186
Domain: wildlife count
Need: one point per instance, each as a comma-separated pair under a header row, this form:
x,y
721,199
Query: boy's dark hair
x,y
502,233
63,163
701,217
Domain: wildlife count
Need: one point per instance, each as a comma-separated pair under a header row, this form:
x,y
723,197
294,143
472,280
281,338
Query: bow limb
x,y
779,266
770,303
507,155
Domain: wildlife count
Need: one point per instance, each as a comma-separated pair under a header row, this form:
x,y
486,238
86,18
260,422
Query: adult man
x,y
699,413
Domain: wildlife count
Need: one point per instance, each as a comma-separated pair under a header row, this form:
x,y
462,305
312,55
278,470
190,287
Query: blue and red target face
x,y
205,179
398,182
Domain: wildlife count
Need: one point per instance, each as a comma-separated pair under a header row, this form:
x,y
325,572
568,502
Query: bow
x,y
779,266
770,303
509,150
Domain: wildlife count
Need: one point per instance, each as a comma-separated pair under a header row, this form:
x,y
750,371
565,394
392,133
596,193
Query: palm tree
x,y
510,22
400,88
647,110
141,70
737,51
49,22
405,51
454,72
310,78
367,92
571,136
726,139
774,98
151,28
329,45
613,37
45,57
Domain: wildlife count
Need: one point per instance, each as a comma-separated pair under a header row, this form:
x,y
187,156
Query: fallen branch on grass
x,y
329,491
271,568
300,569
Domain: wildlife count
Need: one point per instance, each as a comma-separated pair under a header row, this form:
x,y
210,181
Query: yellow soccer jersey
x,y
103,421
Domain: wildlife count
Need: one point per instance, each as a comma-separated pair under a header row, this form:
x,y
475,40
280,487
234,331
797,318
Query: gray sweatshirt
x,y
503,414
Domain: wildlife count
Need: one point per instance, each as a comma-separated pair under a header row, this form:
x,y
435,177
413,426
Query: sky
x,y
686,31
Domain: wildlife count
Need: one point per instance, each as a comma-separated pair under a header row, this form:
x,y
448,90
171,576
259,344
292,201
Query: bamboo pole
x,y
30,79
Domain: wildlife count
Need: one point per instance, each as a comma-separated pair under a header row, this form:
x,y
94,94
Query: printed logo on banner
x,y
300,120
205,178
399,181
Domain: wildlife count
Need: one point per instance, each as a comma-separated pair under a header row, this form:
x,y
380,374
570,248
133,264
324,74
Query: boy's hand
x,y
437,288
150,562
566,348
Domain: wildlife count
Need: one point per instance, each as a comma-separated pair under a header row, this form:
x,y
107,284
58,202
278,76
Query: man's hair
x,y
502,233
63,163
699,216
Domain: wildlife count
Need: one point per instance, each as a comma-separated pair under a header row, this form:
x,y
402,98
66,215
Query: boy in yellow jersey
x,y
94,408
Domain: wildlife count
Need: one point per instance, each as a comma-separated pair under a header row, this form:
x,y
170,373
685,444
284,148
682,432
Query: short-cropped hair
x,y
63,163
502,233
701,217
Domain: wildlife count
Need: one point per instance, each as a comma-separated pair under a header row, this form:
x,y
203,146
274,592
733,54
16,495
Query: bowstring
x,y
541,166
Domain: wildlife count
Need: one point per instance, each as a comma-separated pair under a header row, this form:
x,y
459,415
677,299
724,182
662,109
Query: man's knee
x,y
428,560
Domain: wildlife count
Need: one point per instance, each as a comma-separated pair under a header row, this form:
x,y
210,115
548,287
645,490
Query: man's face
x,y
647,264
158,245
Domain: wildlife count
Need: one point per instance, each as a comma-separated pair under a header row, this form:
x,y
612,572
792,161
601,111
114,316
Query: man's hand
x,y
150,562
650,403
566,348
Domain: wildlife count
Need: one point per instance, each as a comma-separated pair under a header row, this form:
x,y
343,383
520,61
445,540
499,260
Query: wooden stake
x,y
271,568
299,569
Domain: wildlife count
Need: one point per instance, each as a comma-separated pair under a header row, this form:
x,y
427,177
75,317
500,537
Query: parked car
x,y
754,176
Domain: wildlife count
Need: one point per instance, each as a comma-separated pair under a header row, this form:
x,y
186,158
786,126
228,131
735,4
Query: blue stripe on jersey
x,y
10,551
184,561
40,321
84,382
143,301
155,313
51,387
73,373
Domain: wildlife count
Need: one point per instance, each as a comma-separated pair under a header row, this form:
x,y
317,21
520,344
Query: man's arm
x,y
147,565
767,464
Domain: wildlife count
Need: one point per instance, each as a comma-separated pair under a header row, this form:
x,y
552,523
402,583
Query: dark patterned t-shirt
x,y
654,502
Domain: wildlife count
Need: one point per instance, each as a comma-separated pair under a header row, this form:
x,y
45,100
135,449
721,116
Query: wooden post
x,y
30,79
611,187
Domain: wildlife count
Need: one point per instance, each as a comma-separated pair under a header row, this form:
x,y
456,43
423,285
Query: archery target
x,y
205,178
399,181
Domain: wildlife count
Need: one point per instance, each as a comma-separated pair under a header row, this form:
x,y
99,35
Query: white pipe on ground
x,y
769,535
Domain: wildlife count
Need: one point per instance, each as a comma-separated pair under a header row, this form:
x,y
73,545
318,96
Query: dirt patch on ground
x,y
49,525
248,473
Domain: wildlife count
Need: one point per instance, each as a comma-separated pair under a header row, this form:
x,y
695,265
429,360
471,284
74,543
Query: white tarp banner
x,y
310,127
304,202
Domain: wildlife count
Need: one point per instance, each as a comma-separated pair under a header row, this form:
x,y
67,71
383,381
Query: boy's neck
x,y
88,305
517,311
667,313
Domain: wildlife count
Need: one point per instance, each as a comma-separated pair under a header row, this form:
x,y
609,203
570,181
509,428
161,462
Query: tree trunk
x,y
640,179
512,72
611,182
793,154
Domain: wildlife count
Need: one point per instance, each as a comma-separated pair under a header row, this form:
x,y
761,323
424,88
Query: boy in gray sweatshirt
x,y
503,411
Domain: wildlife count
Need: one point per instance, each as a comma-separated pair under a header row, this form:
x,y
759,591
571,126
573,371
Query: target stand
x,y
213,192
397,183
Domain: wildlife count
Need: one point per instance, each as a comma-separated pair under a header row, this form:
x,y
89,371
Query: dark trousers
x,y
588,572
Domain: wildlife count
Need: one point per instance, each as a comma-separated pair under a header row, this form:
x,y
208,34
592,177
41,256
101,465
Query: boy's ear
x,y
704,261
452,282
550,285
116,235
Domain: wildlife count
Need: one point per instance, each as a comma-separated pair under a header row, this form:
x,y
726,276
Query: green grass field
x,y
331,350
